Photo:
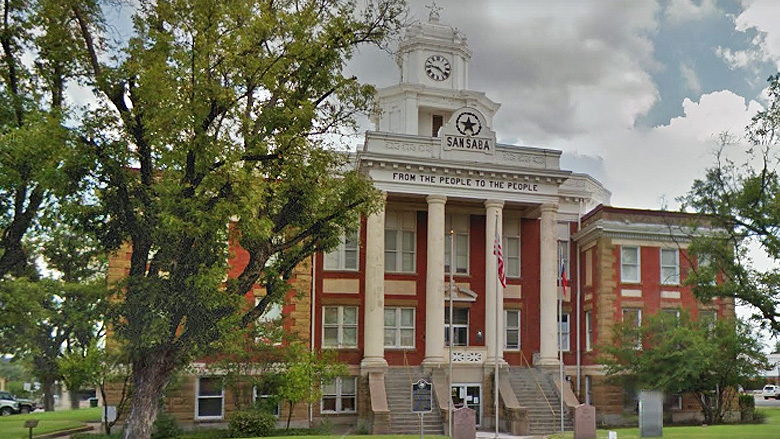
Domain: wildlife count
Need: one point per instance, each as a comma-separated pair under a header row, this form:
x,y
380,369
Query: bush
x,y
249,423
165,426
747,408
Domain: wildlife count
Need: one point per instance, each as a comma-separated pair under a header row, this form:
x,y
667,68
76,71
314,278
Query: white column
x,y
434,282
373,315
548,300
494,293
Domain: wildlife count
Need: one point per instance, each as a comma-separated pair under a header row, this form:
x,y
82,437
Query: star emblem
x,y
468,125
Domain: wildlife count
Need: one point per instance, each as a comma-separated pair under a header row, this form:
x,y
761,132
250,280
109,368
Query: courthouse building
x,y
381,299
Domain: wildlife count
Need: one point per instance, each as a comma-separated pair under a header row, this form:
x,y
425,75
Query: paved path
x,y
491,435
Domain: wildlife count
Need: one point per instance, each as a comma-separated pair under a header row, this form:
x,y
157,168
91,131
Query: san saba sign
x,y
467,130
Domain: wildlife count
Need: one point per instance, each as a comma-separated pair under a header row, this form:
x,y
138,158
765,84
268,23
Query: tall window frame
x,y
262,397
588,390
512,329
209,397
670,266
511,246
460,327
564,332
460,224
400,328
340,327
339,396
633,315
400,241
346,256
630,264
588,331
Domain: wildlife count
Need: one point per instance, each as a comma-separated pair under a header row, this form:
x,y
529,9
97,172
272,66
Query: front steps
x,y
398,386
531,387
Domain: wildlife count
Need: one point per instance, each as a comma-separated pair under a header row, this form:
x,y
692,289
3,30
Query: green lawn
x,y
12,427
768,430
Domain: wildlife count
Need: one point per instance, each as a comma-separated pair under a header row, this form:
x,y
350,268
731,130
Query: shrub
x,y
249,423
165,426
747,408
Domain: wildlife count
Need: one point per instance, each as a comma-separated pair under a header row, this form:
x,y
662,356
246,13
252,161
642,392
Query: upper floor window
x,y
564,332
629,264
511,247
460,326
588,330
339,326
564,234
633,318
670,266
345,256
512,329
459,224
400,241
436,123
399,327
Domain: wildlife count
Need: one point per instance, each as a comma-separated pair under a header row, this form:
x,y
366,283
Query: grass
x,y
12,427
768,430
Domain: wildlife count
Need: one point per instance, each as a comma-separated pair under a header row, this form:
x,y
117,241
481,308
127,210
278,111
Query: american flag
x,y
499,260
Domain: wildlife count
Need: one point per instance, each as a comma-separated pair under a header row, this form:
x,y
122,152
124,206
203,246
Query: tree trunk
x,y
48,394
150,376
74,399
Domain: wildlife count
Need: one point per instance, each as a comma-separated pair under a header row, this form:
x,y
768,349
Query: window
x,y
670,266
460,225
708,317
209,399
345,256
339,326
629,264
671,317
399,327
436,123
511,247
267,399
339,396
588,390
460,327
589,268
672,402
267,324
512,329
564,332
400,241
633,316
588,330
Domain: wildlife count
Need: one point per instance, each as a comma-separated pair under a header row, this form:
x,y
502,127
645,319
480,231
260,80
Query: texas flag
x,y
565,295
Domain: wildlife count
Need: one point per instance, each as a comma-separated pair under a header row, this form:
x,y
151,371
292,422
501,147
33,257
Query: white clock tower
x,y
434,63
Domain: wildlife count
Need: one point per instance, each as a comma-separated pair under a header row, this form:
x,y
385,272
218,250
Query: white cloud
x,y
739,59
764,17
646,167
690,77
681,11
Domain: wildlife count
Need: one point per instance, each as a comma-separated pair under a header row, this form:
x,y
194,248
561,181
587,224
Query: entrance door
x,y
470,395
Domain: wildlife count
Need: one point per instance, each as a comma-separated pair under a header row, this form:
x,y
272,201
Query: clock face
x,y
437,67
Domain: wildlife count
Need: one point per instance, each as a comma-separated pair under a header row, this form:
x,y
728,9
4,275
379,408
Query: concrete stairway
x,y
529,385
399,399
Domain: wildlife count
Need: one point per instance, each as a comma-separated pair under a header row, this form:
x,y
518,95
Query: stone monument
x,y
464,422
651,413
584,422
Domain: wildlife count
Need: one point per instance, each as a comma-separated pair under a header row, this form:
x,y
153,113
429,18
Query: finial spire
x,y
433,15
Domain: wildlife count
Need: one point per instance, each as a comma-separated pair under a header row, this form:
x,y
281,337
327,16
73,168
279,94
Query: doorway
x,y
471,396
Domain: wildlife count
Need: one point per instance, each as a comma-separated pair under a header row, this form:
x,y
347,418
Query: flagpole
x,y
497,338
450,330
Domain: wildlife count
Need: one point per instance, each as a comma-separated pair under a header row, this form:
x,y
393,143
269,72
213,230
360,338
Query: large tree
x,y
741,201
214,125
40,56
708,359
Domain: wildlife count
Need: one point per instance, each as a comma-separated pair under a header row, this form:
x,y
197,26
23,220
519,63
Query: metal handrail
x,y
538,385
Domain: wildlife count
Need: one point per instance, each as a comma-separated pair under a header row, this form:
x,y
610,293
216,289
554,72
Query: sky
x,y
634,93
